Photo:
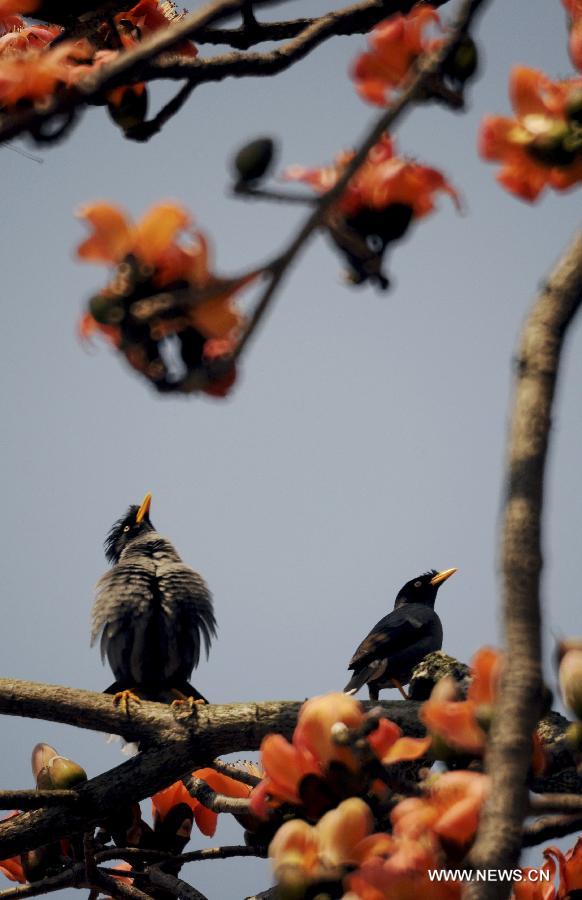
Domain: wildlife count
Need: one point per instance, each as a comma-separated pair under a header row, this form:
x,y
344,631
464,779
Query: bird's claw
x,y
186,704
399,687
122,698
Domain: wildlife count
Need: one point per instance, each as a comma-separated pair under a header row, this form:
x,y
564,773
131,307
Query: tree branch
x,y
138,63
549,828
499,838
173,884
35,799
176,745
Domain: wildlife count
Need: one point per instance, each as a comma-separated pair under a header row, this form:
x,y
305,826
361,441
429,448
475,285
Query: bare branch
x,y
551,802
173,885
500,835
551,827
35,799
176,745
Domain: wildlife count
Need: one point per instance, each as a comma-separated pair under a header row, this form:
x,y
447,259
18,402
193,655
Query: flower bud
x,y
60,774
106,310
574,107
254,159
41,756
573,736
128,106
463,61
570,677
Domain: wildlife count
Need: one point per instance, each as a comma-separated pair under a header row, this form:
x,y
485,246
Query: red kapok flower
x,y
313,749
148,16
574,9
541,147
457,721
302,853
12,868
383,180
395,45
450,811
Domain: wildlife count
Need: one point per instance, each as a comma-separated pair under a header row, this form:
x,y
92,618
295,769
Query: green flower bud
x,y
60,774
463,61
254,159
574,107
41,756
573,736
106,310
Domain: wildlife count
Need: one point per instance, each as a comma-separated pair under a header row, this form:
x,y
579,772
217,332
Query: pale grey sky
x,y
364,443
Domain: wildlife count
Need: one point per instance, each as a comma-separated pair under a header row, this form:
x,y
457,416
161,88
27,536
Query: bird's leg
x,y
182,700
122,698
399,687
373,691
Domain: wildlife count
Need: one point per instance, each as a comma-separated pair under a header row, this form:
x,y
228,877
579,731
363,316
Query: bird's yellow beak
x,y
442,576
145,508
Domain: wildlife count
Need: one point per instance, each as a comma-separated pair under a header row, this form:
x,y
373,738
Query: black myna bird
x,y
153,612
401,640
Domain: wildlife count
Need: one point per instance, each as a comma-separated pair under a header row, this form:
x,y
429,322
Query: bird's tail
x,y
369,673
358,679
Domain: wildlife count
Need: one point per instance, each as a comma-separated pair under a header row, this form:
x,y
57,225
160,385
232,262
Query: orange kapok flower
x,y
569,867
450,811
148,16
176,794
32,76
541,147
301,853
457,721
574,9
395,45
383,180
12,868
17,7
313,749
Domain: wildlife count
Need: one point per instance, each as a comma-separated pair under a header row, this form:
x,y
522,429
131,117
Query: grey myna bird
x,y
154,613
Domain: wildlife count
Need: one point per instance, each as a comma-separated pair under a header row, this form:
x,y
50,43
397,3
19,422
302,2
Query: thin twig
x,y
173,885
236,771
499,838
212,800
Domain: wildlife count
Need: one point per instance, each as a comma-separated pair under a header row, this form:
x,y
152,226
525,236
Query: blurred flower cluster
x,y
171,318
356,810
396,46
40,62
387,193
542,145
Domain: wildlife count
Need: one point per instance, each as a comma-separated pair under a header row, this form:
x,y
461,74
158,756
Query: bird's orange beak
x,y
145,508
442,576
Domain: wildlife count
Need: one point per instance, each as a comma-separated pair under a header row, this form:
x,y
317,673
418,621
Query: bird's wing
x,y
394,632
188,609
121,595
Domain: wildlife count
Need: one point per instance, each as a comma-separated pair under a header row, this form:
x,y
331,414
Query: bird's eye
x,y
126,528
418,584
